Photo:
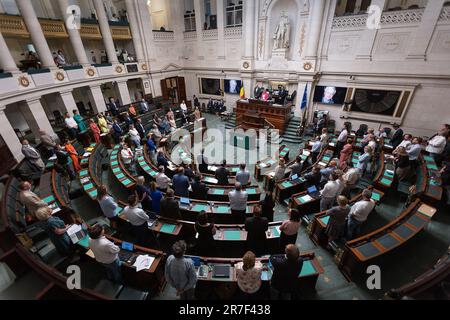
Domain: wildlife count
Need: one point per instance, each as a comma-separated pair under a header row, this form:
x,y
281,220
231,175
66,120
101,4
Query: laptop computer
x,y
127,251
185,201
221,271
294,177
313,192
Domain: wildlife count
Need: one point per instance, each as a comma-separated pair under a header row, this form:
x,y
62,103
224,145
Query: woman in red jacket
x,y
346,154
95,130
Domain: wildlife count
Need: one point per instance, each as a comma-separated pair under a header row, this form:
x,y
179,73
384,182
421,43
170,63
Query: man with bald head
x,y
33,156
29,199
238,203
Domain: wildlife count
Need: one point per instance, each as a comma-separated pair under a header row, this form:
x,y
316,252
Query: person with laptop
x,y
170,208
238,203
138,220
289,228
256,228
222,174
199,189
106,253
180,272
180,183
313,178
330,192
286,268
243,176
297,167
359,214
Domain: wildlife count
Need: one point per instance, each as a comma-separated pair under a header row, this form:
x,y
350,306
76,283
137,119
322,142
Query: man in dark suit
x,y
127,119
313,178
196,101
180,183
140,128
286,269
210,106
117,131
202,162
222,174
170,208
256,228
113,107
397,137
199,189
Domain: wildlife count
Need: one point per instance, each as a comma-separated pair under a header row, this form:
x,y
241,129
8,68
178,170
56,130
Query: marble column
x,y
221,29
10,137
36,33
199,13
421,37
137,41
68,102
74,33
7,62
106,31
97,99
249,28
314,29
35,115
124,93
367,41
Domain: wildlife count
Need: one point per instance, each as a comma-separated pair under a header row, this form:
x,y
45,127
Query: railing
x,y
445,15
402,17
190,35
233,33
163,36
121,33
210,34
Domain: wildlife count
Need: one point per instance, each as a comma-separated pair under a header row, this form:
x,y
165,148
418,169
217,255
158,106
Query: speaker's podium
x,y
252,114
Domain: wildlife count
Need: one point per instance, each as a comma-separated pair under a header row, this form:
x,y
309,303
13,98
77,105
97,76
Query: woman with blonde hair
x,y
56,230
248,277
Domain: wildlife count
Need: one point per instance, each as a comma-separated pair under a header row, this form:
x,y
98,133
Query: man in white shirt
x,y
71,125
162,181
414,151
341,140
126,154
238,203
183,107
106,253
138,220
359,214
329,192
243,176
350,179
437,145
405,143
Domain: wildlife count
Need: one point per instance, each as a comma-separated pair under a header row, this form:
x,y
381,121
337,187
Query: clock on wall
x,y
382,102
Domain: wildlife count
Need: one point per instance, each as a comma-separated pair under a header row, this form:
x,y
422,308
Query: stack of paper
x,y
143,262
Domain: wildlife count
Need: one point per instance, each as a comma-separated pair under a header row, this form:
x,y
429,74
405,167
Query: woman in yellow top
x,y
103,124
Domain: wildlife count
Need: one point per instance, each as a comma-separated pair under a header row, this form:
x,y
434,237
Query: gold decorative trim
x,y
60,76
144,67
307,66
24,81
90,72
119,69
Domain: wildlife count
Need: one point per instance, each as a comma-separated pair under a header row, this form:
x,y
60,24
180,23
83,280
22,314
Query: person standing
x,y
56,230
402,164
71,125
95,130
364,160
222,174
106,253
156,196
103,124
113,107
79,120
267,207
280,170
48,142
289,228
62,160
297,167
248,277
205,241
138,220
108,205
170,208
29,199
397,136
286,269
117,131
140,128
437,145
346,154
32,156
143,194
243,176
414,151
329,192
238,203
180,183
183,107
162,181
135,137
342,139
338,216
70,149
202,162
256,228
359,214
199,189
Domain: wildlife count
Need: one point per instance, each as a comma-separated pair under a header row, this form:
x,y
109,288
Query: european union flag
x,y
305,98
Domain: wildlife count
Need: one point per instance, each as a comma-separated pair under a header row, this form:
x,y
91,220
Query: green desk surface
x,y
142,163
251,191
49,199
428,158
286,184
303,199
120,176
168,228
88,186
153,173
388,174
84,173
376,196
282,154
219,191
84,160
115,163
434,183
84,242
115,170
234,169
200,207
146,168
307,269
325,220
232,235
126,182
275,231
93,193
249,210
270,162
386,181
432,167
326,159
119,210
222,209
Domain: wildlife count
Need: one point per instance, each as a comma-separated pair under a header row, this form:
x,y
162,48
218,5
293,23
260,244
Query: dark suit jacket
x,y
222,175
140,128
256,228
397,138
170,209
199,191
285,273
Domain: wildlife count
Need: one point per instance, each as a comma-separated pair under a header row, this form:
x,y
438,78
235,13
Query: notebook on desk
x,y
185,201
313,192
221,271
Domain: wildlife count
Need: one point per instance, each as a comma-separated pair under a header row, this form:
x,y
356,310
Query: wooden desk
x,y
276,114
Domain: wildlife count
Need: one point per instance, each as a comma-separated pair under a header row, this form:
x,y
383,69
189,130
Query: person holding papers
x,y
56,230
289,228
138,220
180,272
106,253
359,214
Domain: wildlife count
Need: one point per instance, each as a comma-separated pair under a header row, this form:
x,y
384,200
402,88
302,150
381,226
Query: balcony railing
x,y
210,34
445,15
233,33
163,36
190,35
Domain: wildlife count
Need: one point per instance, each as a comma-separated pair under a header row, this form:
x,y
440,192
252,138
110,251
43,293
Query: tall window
x,y
210,14
234,13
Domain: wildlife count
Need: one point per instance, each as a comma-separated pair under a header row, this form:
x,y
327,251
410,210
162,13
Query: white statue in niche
x,y
282,33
